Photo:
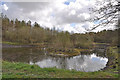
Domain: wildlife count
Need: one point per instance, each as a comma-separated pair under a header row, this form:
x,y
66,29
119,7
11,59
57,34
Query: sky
x,y
64,15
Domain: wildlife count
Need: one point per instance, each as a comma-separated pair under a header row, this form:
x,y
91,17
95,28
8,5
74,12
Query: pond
x,y
91,62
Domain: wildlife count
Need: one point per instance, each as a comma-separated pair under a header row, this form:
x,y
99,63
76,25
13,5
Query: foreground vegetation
x,y
22,70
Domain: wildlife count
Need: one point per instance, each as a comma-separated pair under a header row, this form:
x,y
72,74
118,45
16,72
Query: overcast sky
x,y
64,15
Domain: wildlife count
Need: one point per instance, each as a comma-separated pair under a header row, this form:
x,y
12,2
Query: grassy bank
x,y
112,53
10,43
13,44
22,70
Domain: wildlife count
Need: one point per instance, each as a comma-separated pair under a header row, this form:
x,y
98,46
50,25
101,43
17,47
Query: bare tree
x,y
106,13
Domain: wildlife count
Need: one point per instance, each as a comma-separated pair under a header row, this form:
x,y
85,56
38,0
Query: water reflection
x,y
89,62
85,63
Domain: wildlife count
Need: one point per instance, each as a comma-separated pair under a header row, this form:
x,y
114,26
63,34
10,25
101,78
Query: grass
x,y
17,43
10,43
22,70
13,43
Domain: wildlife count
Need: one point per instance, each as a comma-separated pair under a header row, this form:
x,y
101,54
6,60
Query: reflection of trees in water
x,y
76,62
97,51
16,54
68,62
61,62
27,54
37,55
81,59
100,52
81,62
23,54
34,55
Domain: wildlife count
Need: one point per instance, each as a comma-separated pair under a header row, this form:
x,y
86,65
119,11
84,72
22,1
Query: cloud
x,y
5,7
59,14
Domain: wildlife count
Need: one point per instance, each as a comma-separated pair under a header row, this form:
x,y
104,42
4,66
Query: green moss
x,y
22,70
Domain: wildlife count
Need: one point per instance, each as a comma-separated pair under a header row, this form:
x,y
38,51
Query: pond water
x,y
91,62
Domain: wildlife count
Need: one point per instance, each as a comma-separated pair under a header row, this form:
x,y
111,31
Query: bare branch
x,y
109,10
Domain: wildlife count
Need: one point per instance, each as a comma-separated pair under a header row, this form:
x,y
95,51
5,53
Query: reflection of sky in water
x,y
47,63
85,63
100,59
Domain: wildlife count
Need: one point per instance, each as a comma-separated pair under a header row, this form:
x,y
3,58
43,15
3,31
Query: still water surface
x,y
84,62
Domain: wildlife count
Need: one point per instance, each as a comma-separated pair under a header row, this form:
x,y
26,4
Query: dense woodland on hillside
x,y
24,32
